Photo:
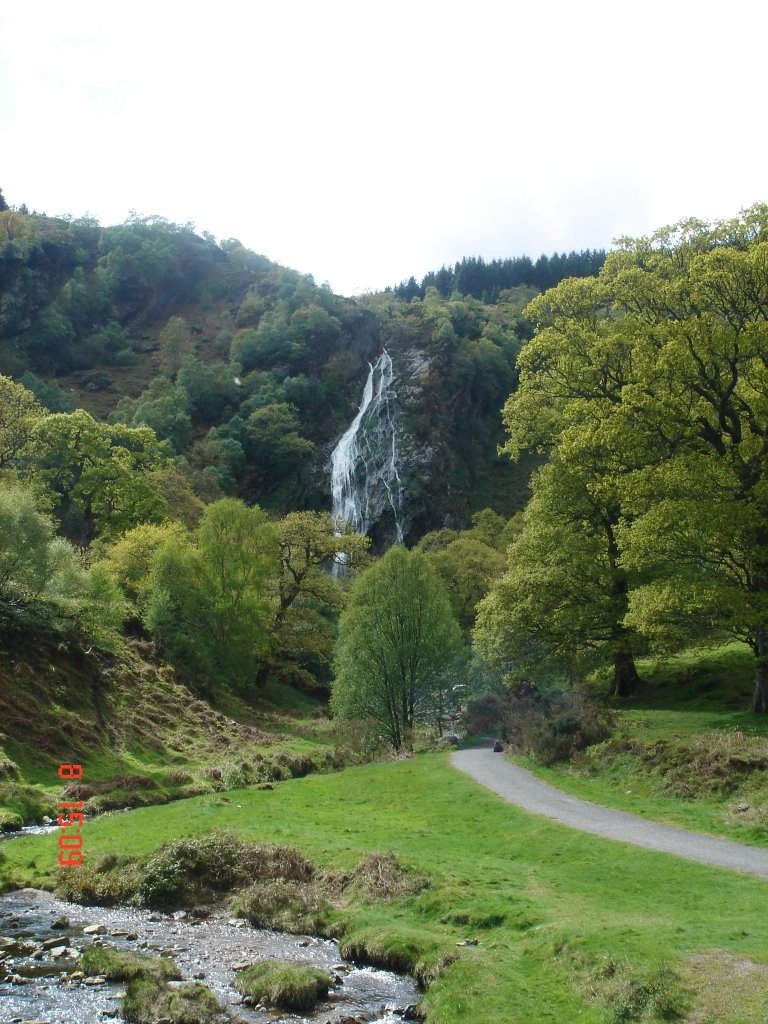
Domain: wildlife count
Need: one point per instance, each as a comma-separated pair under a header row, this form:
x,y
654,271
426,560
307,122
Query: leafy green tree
x,y
176,345
560,606
277,446
468,568
130,558
210,389
395,638
654,378
572,379
100,473
41,569
20,413
48,393
208,599
696,303
164,407
222,458
26,535
176,486
308,598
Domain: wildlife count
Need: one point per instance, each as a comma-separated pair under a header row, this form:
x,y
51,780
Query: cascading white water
x,y
364,474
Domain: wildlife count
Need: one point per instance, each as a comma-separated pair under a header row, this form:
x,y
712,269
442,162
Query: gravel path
x,y
521,787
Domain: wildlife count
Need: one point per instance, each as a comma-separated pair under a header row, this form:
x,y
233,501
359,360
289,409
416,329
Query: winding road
x,y
519,786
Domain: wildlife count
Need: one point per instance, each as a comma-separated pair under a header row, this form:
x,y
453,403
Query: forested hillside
x,y
249,372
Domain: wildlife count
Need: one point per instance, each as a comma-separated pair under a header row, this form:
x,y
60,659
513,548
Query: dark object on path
x,y
497,747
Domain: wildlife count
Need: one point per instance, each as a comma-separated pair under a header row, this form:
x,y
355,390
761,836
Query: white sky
x,y
364,142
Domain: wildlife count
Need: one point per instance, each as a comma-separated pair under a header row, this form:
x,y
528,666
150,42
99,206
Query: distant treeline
x,y
485,281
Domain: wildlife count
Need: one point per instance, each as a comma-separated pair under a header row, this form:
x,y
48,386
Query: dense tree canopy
x,y
650,383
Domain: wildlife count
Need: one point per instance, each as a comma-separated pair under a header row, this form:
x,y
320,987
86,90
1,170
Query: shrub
x,y
123,965
358,739
8,768
10,821
79,791
149,999
381,877
232,777
120,798
281,904
285,985
106,887
546,728
631,995
294,766
270,771
197,869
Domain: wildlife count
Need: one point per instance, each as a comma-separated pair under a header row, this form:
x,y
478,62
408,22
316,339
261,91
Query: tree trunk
x,y
760,697
625,678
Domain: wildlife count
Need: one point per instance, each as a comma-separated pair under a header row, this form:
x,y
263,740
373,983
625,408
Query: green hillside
x,y
149,323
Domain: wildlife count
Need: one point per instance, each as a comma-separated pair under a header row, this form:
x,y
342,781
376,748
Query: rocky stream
x,y
42,939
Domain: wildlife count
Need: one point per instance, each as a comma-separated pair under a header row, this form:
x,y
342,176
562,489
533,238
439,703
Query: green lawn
x,y
569,925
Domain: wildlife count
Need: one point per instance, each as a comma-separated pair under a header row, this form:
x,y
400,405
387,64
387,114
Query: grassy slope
x,y
569,902
690,709
126,720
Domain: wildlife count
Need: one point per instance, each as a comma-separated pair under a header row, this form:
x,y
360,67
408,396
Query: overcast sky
x,y
364,142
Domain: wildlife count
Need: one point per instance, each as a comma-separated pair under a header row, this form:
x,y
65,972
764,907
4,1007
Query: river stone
x,y
61,922
58,951
98,980
94,929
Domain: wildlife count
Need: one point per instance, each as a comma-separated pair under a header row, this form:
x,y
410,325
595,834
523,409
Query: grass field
x,y
570,927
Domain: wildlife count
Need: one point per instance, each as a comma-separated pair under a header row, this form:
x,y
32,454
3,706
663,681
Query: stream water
x,y
36,983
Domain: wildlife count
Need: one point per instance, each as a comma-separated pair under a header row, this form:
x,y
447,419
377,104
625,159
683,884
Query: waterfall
x,y
364,478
